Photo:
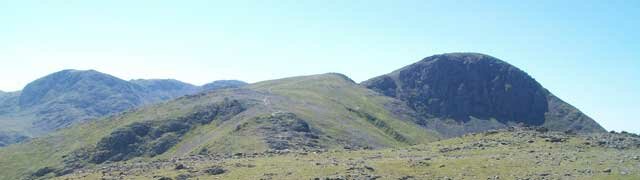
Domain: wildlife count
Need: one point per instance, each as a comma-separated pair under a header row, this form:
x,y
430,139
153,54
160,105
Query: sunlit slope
x,y
504,154
326,111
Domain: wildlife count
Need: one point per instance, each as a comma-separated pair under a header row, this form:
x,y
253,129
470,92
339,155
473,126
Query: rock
x,y
542,130
491,132
333,178
570,132
406,178
636,158
608,170
369,168
586,171
245,165
184,176
555,139
162,178
42,171
445,150
215,170
180,166
441,166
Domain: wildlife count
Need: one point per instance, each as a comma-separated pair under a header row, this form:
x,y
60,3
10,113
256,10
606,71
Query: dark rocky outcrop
x,y
286,131
216,170
283,130
155,138
466,86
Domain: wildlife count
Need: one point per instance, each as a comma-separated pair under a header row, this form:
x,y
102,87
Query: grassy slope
x,y
321,100
506,155
330,94
20,159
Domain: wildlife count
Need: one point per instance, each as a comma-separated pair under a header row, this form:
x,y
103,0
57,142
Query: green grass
x,y
515,160
320,100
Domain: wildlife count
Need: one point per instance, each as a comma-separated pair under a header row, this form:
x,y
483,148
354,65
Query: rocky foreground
x,y
514,153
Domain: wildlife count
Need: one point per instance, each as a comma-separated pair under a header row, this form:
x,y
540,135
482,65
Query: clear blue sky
x,y
586,52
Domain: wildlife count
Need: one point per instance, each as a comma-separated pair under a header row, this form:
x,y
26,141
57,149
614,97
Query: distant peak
x,y
66,80
463,85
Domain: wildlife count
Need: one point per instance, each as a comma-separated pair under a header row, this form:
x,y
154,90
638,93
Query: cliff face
x,y
465,86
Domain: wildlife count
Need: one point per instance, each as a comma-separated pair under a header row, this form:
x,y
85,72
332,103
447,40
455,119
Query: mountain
x,y
219,84
69,97
398,120
469,92
327,111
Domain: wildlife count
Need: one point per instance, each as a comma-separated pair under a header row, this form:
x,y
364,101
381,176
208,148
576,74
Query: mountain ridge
x,y
71,96
267,115
314,113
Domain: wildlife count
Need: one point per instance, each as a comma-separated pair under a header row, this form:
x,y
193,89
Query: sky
x,y
585,52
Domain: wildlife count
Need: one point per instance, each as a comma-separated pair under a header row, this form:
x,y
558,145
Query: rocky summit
x,y
467,86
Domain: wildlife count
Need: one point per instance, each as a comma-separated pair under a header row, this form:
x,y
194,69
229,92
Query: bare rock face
x,y
463,86
283,131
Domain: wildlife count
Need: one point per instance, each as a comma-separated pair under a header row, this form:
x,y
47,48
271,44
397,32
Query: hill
x,y
318,112
470,92
69,97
